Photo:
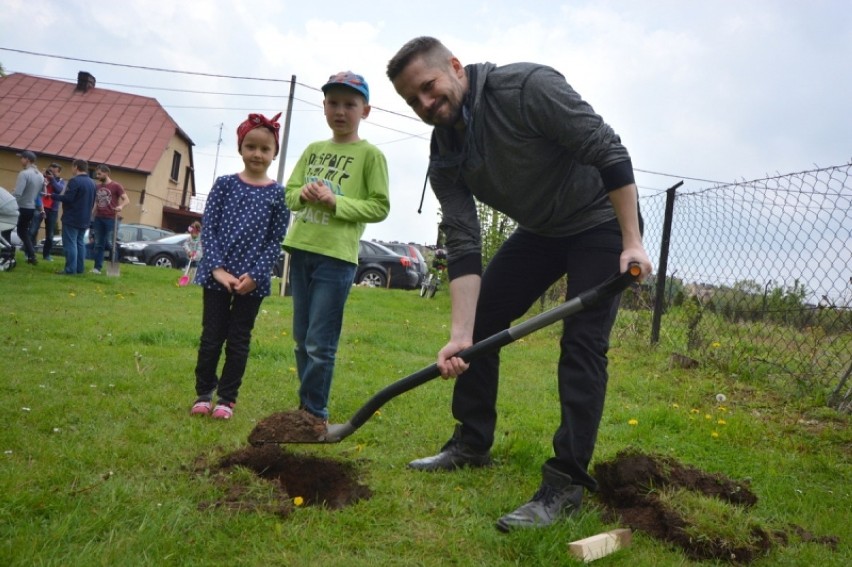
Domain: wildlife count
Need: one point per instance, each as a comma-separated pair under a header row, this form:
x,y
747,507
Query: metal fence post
x,y
663,263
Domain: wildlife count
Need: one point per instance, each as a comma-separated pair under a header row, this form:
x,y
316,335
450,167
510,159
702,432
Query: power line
x,y
266,79
180,72
678,176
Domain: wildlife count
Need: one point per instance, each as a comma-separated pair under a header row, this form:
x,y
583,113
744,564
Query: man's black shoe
x,y
454,455
556,498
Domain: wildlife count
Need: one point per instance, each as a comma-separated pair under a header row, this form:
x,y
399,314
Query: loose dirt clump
x,y
315,481
289,427
632,488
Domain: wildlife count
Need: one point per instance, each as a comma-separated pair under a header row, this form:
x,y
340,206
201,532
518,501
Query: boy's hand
x,y
318,192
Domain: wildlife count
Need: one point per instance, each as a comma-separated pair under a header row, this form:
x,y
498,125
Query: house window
x,y
175,166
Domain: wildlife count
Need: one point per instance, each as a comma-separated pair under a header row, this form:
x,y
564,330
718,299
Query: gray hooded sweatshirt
x,y
532,149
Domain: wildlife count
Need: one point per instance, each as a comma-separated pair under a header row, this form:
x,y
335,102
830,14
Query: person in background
x,y
519,139
192,246
336,187
110,199
28,187
53,184
77,200
244,221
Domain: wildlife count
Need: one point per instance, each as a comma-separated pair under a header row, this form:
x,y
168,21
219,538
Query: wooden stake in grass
x,y
600,545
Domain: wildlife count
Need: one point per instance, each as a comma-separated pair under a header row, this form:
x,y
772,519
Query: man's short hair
x,y
56,165
432,50
103,167
80,165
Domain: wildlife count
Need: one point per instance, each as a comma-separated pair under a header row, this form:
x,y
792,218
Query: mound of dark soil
x,y
629,488
289,427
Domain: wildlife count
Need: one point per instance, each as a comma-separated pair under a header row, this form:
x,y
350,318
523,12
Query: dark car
x,y
127,232
413,254
379,266
376,266
166,252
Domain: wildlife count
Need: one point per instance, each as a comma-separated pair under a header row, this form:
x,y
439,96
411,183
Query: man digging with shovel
x,y
521,140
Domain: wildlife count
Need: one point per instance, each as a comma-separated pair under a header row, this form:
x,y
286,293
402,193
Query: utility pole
x,y
218,145
282,155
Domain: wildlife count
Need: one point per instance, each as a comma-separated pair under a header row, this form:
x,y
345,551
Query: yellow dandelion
x,y
714,434
675,406
722,422
72,294
708,416
633,422
715,344
378,413
292,369
298,500
694,410
723,408
359,447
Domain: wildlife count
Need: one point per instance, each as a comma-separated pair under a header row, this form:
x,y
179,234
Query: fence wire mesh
x,y
758,276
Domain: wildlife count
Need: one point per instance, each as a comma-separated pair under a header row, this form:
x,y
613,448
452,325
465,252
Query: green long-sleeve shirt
x,y
358,174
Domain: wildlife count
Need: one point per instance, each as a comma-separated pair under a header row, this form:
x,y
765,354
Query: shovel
x,y
337,432
112,268
184,279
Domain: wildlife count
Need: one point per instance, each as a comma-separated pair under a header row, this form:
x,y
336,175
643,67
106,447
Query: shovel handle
x,y
609,288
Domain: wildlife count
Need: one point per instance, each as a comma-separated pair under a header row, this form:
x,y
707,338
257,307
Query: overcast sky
x,y
715,91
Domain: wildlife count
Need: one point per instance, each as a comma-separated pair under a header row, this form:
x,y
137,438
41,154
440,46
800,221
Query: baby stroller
x,y
8,222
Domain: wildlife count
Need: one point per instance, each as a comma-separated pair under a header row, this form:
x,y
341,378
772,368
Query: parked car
x,y
127,232
413,254
166,252
376,266
379,266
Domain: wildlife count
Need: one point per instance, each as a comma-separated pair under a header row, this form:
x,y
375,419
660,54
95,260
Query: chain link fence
x,y
756,278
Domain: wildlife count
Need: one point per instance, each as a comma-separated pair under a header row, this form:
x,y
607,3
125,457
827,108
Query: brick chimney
x,y
85,81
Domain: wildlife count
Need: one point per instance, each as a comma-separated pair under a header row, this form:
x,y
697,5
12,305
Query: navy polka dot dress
x,y
241,231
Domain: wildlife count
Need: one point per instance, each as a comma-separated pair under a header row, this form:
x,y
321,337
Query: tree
x,y
495,227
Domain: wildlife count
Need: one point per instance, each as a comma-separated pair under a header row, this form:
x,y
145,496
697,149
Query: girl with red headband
x,y
244,221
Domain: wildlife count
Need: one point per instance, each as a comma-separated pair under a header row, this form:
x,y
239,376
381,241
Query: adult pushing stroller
x,y
8,223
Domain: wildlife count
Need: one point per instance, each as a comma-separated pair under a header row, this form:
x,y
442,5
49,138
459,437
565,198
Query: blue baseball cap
x,y
351,80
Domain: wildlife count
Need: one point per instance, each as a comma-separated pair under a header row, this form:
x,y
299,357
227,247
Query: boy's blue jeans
x,y
320,286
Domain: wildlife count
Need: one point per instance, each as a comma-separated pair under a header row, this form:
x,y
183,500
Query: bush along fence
x,y
756,278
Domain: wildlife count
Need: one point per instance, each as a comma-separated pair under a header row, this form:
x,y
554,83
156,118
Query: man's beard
x,y
437,118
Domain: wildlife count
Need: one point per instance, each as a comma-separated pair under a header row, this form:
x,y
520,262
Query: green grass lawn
x,y
98,447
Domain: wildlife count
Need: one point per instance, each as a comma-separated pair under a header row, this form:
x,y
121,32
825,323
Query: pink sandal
x,y
223,411
201,407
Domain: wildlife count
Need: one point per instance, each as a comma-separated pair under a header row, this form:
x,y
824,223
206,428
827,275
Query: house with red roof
x,y
145,149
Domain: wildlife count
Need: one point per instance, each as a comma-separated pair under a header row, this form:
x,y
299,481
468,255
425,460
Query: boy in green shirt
x,y
337,186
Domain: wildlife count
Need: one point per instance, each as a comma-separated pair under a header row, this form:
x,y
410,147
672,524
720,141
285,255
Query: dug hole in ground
x,y
631,491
